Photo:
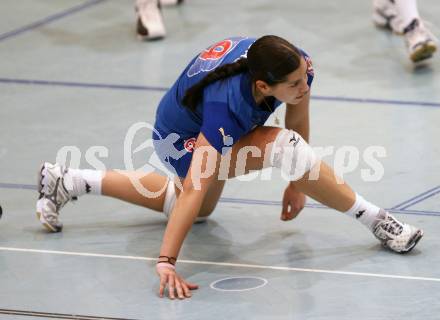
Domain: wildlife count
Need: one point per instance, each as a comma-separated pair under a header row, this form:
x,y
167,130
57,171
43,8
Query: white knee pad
x,y
292,154
170,198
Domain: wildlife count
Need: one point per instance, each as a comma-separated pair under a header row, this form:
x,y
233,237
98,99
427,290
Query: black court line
x,y
55,315
379,101
409,202
421,199
154,88
256,202
49,19
17,186
320,206
81,85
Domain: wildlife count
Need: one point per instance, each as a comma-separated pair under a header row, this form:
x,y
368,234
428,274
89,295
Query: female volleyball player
x,y
206,125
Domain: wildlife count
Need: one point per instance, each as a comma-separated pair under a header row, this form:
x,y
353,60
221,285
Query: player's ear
x,y
263,87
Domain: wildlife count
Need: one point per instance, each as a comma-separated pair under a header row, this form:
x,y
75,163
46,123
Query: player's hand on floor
x,y
177,286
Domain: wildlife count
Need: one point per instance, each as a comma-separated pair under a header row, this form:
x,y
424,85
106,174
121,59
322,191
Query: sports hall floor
x,y
72,73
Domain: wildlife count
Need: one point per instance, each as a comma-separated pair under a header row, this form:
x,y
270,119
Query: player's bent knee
x,y
206,211
292,154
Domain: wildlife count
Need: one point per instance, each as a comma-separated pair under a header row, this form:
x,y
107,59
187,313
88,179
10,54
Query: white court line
x,y
212,285
224,264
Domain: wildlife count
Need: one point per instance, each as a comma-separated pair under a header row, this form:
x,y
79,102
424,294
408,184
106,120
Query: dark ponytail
x,y
195,94
269,58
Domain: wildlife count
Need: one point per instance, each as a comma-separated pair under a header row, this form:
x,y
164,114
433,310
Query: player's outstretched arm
x,y
202,172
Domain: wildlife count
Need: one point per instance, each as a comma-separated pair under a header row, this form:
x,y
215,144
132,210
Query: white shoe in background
x,y
149,21
385,16
170,2
420,42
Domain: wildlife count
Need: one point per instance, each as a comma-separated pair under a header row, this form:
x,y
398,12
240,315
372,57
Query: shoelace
x,y
392,226
69,196
389,12
64,193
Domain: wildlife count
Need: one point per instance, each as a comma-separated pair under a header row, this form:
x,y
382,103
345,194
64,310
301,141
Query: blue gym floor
x,y
72,73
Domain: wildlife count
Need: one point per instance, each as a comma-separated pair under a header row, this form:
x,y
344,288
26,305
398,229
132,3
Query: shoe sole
x,y
40,218
424,52
413,241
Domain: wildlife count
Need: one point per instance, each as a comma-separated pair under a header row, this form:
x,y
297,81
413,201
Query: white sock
x,y
85,181
170,199
407,11
365,212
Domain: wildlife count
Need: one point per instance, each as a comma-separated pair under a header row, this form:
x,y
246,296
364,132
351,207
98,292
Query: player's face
x,y
294,89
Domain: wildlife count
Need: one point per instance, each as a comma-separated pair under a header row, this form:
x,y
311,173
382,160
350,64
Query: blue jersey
x,y
227,112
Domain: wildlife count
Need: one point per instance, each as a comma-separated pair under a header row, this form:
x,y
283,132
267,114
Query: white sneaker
x,y
54,194
395,235
149,20
419,41
385,16
170,2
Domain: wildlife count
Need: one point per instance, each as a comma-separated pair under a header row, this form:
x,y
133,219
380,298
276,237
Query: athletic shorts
x,y
174,151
